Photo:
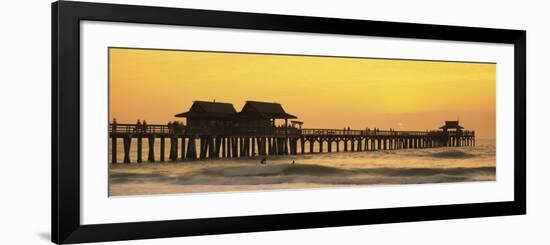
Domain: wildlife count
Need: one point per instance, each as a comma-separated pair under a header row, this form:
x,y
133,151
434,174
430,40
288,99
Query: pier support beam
x,y
151,141
114,149
203,147
294,146
127,141
173,148
191,149
235,146
223,153
211,147
162,145
139,149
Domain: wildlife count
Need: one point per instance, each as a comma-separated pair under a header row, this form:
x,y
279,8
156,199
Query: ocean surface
x,y
320,170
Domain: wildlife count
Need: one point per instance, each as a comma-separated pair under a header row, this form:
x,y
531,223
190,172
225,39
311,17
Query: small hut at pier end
x,y
451,126
205,115
256,114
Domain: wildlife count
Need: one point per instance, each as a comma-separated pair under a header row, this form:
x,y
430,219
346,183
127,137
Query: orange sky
x,y
324,92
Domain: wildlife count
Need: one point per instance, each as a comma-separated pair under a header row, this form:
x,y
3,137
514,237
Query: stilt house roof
x,y
209,110
451,125
265,110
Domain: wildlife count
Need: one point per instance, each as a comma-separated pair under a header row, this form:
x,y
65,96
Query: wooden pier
x,y
183,143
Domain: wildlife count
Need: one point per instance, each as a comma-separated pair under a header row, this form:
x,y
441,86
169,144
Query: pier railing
x,y
372,132
136,128
163,129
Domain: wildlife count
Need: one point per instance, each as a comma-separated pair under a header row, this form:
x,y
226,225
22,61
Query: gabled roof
x,y
258,109
207,109
451,124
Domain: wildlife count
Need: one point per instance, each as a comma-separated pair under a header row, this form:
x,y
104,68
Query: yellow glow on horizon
x,y
324,92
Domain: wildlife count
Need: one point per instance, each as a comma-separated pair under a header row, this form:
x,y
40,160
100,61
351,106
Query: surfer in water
x,y
292,162
263,161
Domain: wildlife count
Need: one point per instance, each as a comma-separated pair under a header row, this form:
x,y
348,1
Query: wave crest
x,y
273,170
452,154
308,173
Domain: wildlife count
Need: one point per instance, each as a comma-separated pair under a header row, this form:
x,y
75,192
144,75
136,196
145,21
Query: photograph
x,y
190,121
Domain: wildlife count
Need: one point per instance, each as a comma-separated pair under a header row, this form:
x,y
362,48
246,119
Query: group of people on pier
x,y
140,127
368,131
175,126
374,131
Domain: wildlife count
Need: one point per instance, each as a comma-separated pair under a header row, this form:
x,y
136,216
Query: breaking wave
x,y
452,155
309,173
273,170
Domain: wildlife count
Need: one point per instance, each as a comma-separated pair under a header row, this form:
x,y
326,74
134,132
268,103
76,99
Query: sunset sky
x,y
324,92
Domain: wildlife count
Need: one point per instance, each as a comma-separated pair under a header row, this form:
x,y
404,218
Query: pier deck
x,y
186,143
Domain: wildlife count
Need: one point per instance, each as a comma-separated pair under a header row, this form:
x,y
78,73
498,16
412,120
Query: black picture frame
x,y
66,17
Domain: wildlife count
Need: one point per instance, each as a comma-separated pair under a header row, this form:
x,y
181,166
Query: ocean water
x,y
320,170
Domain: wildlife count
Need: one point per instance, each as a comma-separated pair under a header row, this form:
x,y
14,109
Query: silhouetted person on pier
x,y
114,125
144,126
176,126
138,126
